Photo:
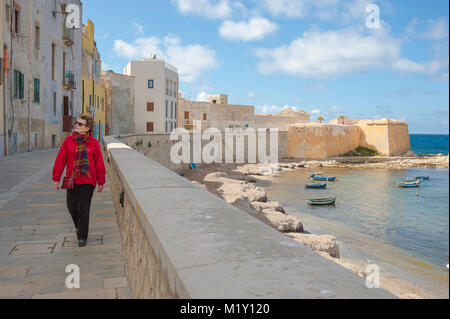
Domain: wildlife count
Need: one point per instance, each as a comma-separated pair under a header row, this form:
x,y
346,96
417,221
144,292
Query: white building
x,y
156,87
42,82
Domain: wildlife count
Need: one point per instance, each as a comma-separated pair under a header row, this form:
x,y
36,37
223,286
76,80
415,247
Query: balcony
x,y
68,35
69,81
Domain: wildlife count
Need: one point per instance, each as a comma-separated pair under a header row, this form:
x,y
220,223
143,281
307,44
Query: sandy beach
x,y
235,184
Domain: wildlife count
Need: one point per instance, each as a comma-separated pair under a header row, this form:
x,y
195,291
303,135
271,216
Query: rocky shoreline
x,y
235,184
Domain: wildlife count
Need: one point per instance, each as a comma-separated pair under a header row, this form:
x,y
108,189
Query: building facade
x,y
156,95
2,80
217,113
42,79
93,93
119,103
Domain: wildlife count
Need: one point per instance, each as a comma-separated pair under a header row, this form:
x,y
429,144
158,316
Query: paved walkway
x,y
38,240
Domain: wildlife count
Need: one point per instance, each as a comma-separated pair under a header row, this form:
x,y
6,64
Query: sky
x,y
363,59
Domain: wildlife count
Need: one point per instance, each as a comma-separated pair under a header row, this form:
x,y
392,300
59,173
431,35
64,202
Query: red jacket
x,y
66,156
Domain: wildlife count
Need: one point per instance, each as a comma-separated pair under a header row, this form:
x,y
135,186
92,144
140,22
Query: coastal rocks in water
x,y
324,243
281,222
260,206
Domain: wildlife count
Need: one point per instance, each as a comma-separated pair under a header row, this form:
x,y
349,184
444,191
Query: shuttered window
x,y
37,85
18,85
149,126
150,107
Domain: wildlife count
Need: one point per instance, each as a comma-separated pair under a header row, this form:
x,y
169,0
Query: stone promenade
x,y
38,240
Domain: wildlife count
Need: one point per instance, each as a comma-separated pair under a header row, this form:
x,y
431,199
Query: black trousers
x,y
79,205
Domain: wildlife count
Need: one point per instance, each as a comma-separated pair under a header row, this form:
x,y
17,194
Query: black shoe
x,y
81,243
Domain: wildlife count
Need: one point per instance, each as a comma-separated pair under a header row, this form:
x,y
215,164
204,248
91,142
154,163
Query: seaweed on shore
x,y
361,152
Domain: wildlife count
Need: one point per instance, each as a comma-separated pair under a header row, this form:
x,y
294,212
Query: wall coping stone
x,y
211,249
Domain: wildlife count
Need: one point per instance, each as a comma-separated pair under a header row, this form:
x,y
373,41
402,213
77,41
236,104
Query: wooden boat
x,y
409,184
324,178
321,201
424,178
316,186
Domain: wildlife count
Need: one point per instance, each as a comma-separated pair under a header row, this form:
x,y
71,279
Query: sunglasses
x,y
80,124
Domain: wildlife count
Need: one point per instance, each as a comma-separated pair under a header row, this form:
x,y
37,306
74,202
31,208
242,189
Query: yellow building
x,y
93,94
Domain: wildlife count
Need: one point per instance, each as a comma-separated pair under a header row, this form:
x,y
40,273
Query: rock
x,y
242,203
260,206
248,191
281,222
325,243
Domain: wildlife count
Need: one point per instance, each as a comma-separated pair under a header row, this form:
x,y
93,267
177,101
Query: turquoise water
x,y
368,203
429,143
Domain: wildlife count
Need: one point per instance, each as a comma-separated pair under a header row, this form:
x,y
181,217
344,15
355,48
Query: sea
x,y
422,144
405,231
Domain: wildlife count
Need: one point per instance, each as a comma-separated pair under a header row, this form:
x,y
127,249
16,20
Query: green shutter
x,y
36,90
21,89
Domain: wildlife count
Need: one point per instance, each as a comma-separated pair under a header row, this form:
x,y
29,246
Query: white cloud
x,y
274,109
334,109
255,29
219,9
139,28
332,53
251,94
315,111
437,30
190,60
202,97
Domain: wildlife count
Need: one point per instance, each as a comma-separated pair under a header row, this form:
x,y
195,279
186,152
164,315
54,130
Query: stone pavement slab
x,y
38,240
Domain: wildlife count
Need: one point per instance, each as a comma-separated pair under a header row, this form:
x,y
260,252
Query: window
x,y
166,128
95,67
54,103
149,126
204,117
64,67
16,20
98,101
170,88
36,90
186,115
171,110
90,99
103,104
167,87
7,13
82,98
167,109
54,8
37,37
53,61
53,140
150,84
18,85
150,107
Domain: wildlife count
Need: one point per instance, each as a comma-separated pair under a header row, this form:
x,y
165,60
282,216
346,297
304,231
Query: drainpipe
x,y
5,131
30,36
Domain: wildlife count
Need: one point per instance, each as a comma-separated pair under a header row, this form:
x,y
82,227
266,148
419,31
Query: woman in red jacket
x,y
82,155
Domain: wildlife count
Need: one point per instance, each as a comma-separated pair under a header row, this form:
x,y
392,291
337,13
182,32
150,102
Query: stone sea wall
x,y
181,241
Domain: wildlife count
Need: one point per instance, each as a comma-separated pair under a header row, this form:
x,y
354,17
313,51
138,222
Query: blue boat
x,y
424,178
316,186
415,183
324,178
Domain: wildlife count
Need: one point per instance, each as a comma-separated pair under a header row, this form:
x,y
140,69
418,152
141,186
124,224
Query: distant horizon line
x,y
428,134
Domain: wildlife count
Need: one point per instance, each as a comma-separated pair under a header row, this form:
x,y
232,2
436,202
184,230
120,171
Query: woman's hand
x,y
100,188
56,185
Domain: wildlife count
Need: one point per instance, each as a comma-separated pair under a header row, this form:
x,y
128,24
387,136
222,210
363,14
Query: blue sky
x,y
315,55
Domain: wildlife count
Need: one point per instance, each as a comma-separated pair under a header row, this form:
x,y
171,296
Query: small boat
x,y
409,184
321,201
314,173
424,178
324,178
316,186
